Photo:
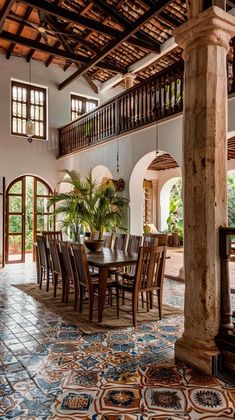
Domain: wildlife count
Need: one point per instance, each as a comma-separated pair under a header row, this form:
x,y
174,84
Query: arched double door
x,y
27,214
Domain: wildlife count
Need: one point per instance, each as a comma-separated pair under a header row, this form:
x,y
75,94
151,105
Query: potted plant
x,y
175,218
90,205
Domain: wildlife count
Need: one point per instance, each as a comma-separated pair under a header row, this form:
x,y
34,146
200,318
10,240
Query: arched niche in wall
x,y
100,172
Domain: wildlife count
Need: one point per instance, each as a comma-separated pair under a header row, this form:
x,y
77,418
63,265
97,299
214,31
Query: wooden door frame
x,y
34,216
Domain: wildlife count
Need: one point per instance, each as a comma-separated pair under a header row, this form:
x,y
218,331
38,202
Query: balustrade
x,y
154,99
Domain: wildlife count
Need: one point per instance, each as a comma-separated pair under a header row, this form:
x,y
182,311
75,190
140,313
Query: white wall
x,y
17,156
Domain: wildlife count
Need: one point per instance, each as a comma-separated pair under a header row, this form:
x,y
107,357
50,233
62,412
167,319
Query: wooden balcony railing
x,y
156,98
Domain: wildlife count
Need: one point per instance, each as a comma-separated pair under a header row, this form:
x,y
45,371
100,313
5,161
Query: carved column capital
x,y
212,27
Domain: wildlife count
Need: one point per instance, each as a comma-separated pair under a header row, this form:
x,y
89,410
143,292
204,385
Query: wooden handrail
x,y
152,100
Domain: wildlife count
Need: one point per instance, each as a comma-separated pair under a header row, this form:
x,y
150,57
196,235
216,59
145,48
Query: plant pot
x,y
93,244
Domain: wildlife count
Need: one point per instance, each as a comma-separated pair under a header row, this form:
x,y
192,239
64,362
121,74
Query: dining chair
x,y
85,280
150,240
108,239
68,272
56,265
43,261
162,238
148,278
120,242
52,234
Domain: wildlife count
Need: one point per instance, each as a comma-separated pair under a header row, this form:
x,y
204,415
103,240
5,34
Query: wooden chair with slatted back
x,y
150,240
86,281
43,261
108,239
120,242
56,265
162,238
149,278
68,274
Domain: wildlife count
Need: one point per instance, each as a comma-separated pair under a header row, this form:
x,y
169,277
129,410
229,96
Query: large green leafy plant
x,y
98,207
175,219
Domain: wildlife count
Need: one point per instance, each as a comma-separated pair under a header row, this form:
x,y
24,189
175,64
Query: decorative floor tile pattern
x,y
51,370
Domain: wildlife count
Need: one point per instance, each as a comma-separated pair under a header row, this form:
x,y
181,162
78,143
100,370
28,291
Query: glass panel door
x,y
15,232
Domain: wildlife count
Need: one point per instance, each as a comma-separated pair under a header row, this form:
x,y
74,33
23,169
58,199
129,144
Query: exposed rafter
x,y
20,29
153,11
72,17
76,58
85,22
4,12
123,21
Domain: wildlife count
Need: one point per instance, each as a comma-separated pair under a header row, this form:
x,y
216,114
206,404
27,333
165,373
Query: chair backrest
x,y
162,238
66,257
134,243
108,239
150,241
81,264
42,251
150,268
120,242
55,256
95,235
50,234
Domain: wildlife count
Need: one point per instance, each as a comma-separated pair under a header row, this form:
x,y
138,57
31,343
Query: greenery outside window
x,y
28,102
80,105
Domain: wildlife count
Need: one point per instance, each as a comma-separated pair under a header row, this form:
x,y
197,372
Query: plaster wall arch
x,y
136,191
99,172
132,147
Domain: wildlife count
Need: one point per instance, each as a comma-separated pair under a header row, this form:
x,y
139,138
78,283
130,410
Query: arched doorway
x,y
157,169
27,215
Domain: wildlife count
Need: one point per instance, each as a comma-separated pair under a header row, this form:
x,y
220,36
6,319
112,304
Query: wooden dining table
x,y
104,260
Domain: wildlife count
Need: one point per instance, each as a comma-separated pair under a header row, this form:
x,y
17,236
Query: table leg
x,y
103,274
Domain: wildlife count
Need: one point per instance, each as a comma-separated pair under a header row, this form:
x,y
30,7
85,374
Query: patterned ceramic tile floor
x,y
50,370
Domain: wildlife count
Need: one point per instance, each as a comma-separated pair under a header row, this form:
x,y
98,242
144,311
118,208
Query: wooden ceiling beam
x,y
110,11
5,11
19,30
151,47
72,17
32,51
169,20
153,11
35,45
52,21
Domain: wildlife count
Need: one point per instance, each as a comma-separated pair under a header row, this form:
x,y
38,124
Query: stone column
x,y
128,80
205,40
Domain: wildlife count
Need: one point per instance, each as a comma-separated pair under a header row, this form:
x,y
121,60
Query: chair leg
x,y
142,300
48,279
81,298
151,299
134,310
63,289
117,297
123,297
41,277
159,296
147,299
55,278
91,302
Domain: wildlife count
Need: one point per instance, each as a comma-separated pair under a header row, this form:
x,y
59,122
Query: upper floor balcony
x,y
156,98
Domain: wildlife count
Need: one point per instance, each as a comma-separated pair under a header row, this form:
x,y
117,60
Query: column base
x,y
197,354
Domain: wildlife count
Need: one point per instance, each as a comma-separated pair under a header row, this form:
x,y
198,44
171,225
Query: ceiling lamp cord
x,y
29,123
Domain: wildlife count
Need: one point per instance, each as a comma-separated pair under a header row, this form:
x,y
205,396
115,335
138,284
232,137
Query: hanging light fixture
x,y
118,164
29,129
157,142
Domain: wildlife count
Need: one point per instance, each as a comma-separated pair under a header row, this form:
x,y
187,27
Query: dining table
x,y
103,260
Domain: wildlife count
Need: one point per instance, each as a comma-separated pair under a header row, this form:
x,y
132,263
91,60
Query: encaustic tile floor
x,y
51,370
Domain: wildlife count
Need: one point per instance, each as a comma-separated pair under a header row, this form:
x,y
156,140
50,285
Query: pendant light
x,y
30,130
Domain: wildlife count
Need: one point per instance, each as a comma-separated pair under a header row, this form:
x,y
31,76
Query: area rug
x,y
110,320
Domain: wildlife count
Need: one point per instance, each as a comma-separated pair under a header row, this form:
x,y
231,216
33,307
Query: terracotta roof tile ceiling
x,y
72,33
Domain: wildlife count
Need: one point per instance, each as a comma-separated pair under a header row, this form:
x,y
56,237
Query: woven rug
x,y
110,321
